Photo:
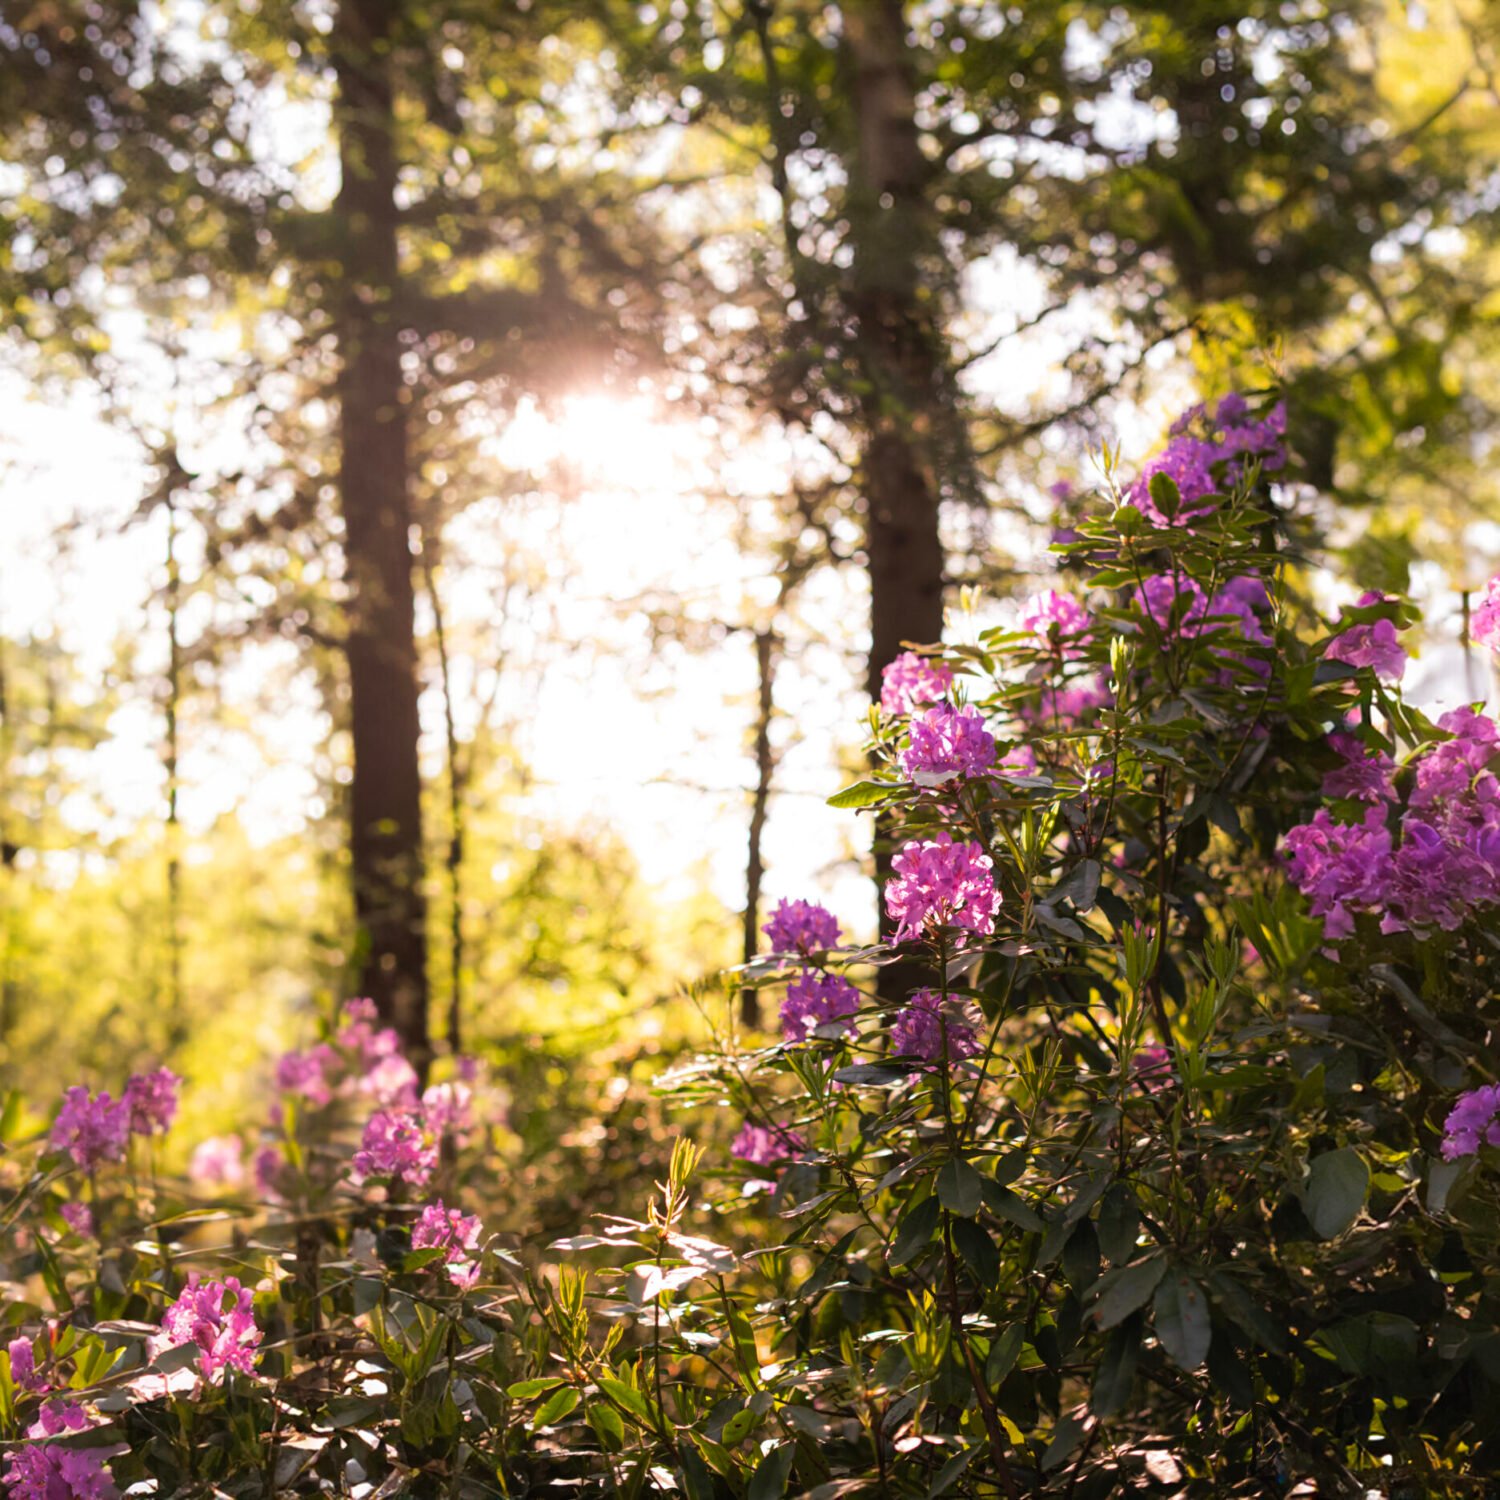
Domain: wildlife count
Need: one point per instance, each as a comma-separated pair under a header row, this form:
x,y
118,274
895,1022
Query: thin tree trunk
x,y
176,1019
765,767
385,797
454,864
900,357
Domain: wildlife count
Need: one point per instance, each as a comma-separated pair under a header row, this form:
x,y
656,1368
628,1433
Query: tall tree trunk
x,y
765,767
900,358
171,758
385,800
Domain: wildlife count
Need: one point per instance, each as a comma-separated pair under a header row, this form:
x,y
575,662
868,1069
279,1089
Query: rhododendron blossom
x,y
151,1099
218,1162
1339,866
764,1146
940,883
1365,775
397,1144
1484,623
815,999
448,1108
455,1233
947,743
1151,1068
1374,645
308,1074
1058,621
23,1366
801,927
1173,602
217,1316
91,1128
1204,466
79,1217
910,680
931,1030
1473,1121
42,1470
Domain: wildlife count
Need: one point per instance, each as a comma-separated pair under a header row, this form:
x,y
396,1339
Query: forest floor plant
x,y
1175,1176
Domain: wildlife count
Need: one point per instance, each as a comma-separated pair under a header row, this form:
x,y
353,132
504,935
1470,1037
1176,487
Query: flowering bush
x,y
1155,1152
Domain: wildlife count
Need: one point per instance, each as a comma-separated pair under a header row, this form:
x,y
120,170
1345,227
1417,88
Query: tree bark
x,y
900,356
385,797
765,767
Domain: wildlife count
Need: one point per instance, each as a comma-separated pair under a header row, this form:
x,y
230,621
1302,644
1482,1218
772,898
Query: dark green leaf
x,y
1336,1187
771,1474
1119,1223
960,1188
914,1233
1117,1294
1183,1325
1116,1372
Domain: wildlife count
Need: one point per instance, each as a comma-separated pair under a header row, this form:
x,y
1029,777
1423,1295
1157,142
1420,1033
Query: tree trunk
x,y
385,799
900,358
765,767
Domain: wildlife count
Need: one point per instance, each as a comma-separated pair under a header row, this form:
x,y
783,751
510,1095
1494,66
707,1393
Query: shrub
x,y
1151,1151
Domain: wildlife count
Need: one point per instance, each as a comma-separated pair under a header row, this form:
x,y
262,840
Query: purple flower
x,y
39,1470
308,1074
1365,776
448,1108
79,1217
91,1128
1473,1120
1019,760
360,1036
1151,1068
1484,624
391,1081
218,1162
272,1170
815,999
1058,621
947,743
151,1099
911,679
396,1144
1374,645
1173,603
226,1335
764,1146
1339,866
801,927
455,1233
1206,464
1070,705
23,1365
940,883
927,1029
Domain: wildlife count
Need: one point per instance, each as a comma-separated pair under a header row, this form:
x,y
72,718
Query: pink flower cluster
x,y
764,1146
361,1058
940,883
1432,866
801,927
910,680
218,1162
1473,1120
947,743
23,1365
1205,463
925,1028
1070,705
42,1470
151,1100
91,1128
1151,1068
397,1143
1484,625
227,1335
815,999
1058,621
1374,645
455,1233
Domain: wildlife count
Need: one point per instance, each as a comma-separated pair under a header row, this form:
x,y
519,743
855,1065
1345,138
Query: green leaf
x,y
1005,1204
528,1390
1164,494
1119,1293
739,1425
608,1427
1065,1438
1003,1354
1183,1326
771,1474
555,1408
1116,1373
626,1396
1119,1224
1375,1343
978,1250
863,794
960,1188
949,1473
1336,1187
914,1233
